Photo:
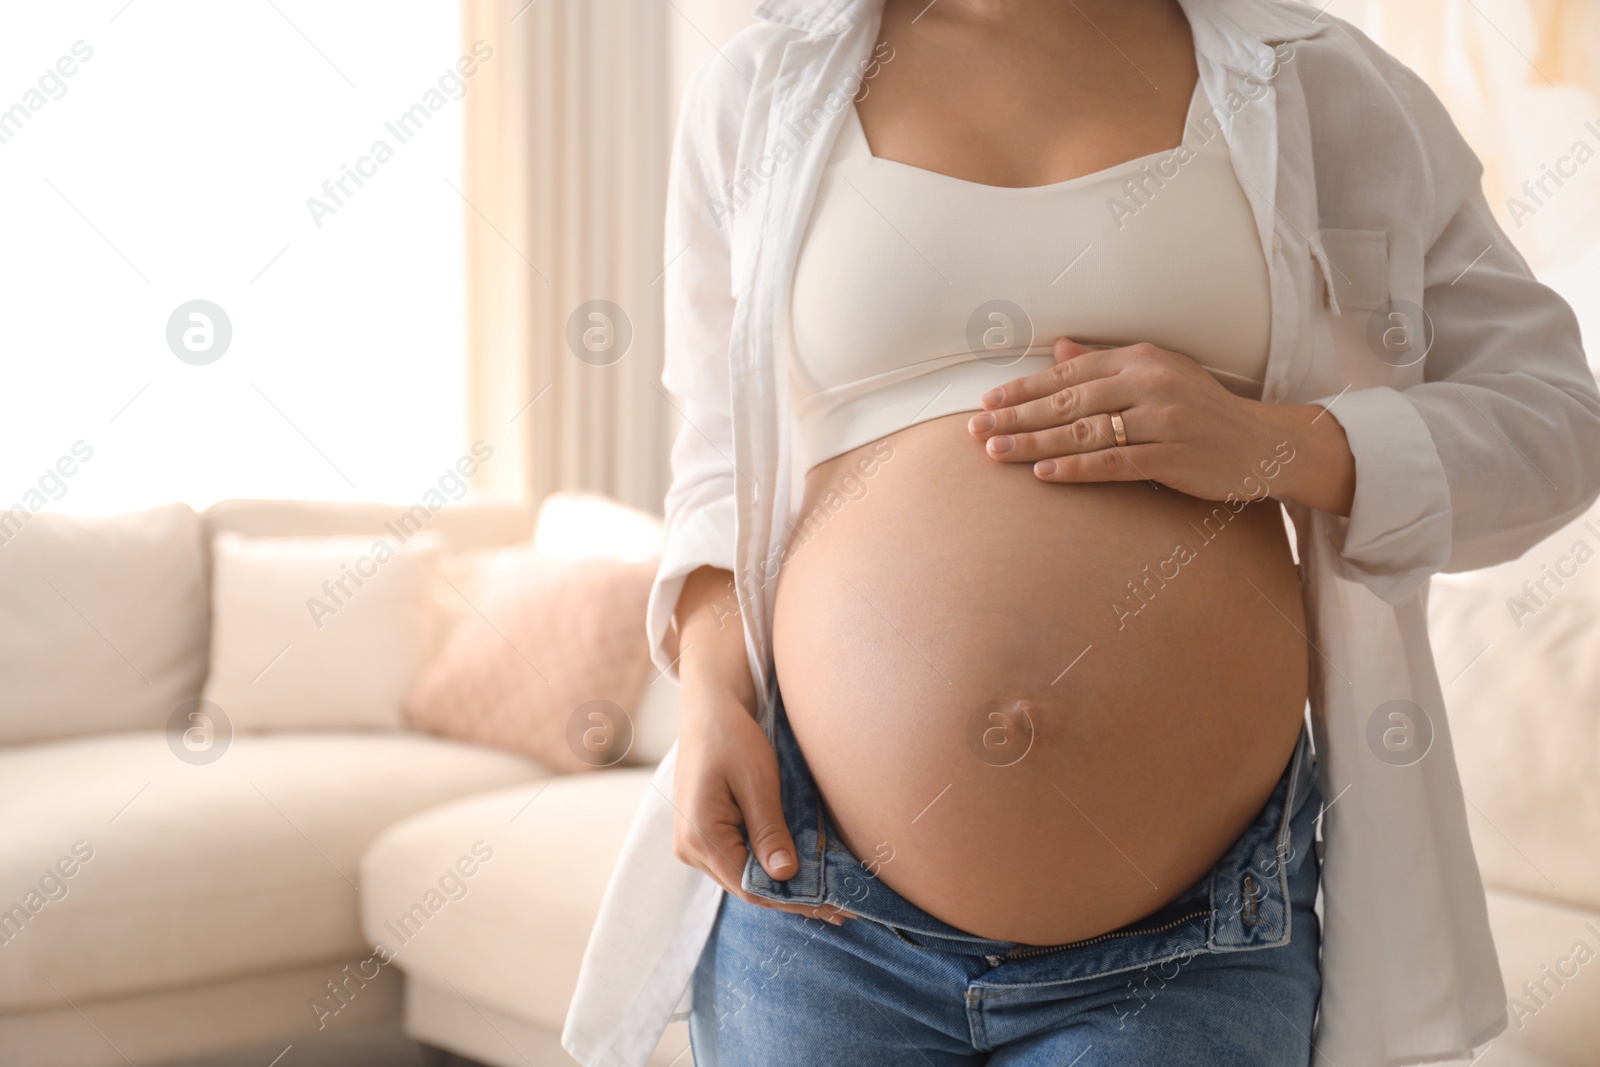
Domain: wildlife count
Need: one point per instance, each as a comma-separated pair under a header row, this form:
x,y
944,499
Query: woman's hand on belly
x,y
1183,429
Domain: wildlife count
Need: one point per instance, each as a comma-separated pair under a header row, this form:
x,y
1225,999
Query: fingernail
x,y
1045,467
1001,444
982,423
993,397
778,859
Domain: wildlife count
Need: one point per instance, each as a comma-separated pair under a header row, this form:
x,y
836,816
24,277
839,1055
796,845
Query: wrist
x,y
719,687
1322,473
712,666
713,684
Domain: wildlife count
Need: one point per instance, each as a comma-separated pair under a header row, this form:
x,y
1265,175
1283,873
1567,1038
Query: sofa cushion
x,y
135,870
490,680
1549,958
319,632
104,624
1516,647
460,526
577,525
548,666
510,934
655,721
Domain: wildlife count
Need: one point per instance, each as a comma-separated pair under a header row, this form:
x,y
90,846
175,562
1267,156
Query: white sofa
x,y
493,978
221,902
154,909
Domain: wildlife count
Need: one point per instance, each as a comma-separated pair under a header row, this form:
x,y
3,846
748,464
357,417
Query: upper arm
x,y
1493,442
1508,395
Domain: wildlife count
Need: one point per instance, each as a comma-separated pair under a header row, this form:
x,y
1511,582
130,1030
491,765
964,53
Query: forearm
x,y
1322,474
711,638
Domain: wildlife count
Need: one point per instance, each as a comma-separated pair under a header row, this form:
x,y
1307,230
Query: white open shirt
x,y
1363,191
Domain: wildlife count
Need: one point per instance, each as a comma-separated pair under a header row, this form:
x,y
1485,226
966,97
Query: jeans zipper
x,y
1028,954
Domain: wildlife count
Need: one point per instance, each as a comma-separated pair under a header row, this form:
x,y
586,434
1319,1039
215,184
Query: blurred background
x,y
282,279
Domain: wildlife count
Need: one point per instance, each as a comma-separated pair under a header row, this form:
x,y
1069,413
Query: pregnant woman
x,y
995,648
1038,722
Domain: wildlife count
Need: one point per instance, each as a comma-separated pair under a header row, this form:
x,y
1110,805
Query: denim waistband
x,y
1243,903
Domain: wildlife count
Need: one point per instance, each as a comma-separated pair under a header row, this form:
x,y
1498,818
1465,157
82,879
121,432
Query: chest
x,y
1020,104
901,269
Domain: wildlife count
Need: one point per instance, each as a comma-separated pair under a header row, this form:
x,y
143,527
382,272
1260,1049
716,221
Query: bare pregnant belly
x,y
1043,710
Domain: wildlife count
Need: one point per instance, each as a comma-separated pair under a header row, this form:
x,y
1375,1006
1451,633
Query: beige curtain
x,y
567,132
1569,41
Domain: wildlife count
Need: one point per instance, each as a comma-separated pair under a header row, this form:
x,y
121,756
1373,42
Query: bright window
x,y
155,153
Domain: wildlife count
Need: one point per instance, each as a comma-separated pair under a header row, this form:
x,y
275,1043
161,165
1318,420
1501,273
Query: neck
x,y
1033,11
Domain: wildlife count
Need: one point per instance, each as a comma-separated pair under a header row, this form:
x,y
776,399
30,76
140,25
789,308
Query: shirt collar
x,y
1235,33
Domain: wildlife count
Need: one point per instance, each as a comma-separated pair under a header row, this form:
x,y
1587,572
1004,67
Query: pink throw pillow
x,y
548,662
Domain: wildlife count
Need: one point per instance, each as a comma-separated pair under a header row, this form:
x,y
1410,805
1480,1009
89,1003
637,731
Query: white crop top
x,y
916,292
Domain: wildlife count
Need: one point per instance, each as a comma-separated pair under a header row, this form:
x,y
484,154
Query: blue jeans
x,y
1227,974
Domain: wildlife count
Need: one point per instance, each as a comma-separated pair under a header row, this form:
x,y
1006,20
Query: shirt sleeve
x,y
1499,446
698,315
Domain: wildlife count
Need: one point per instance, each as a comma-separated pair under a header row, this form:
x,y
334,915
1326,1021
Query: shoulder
x,y
1339,58
1364,102
722,86
1346,65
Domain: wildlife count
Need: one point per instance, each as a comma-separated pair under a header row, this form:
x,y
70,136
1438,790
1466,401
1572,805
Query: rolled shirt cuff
x,y
1399,529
